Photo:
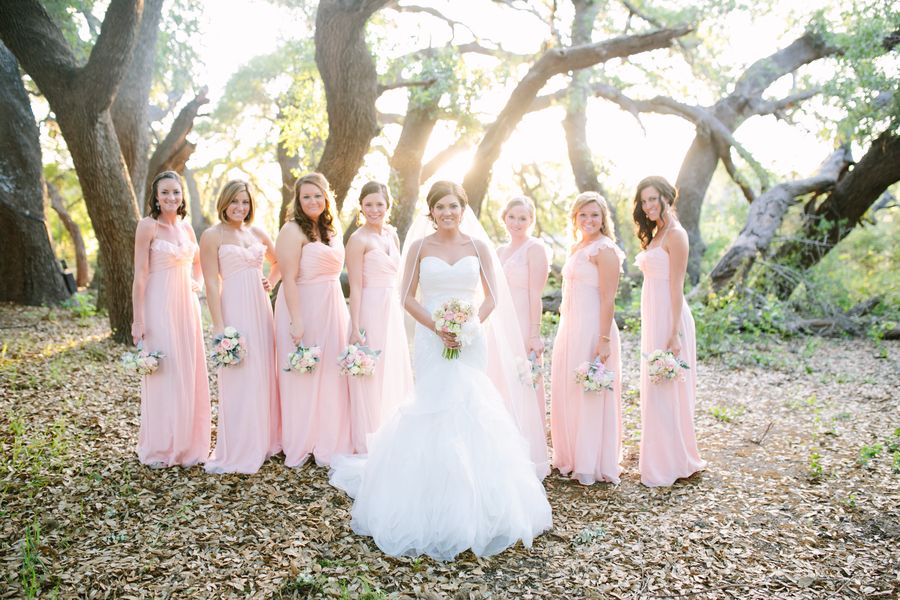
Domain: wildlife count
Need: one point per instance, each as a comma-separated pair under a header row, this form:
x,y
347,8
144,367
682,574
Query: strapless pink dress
x,y
516,269
175,414
374,398
315,407
668,443
249,423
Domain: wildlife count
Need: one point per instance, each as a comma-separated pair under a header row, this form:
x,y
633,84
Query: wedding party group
x,y
442,442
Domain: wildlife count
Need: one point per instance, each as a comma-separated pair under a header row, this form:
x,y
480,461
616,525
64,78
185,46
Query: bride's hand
x,y
448,339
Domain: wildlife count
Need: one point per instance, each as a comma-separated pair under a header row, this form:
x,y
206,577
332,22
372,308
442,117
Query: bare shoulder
x,y
481,246
678,235
145,224
290,230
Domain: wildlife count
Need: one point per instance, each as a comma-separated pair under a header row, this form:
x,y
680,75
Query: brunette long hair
x,y
644,227
152,204
441,189
323,229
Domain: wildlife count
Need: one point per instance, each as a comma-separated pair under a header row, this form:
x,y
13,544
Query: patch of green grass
x,y
589,534
82,304
304,585
549,324
727,414
814,469
31,572
867,453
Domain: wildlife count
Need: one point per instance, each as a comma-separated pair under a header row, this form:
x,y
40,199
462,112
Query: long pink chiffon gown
x,y
175,414
315,407
668,444
516,269
374,398
249,414
586,427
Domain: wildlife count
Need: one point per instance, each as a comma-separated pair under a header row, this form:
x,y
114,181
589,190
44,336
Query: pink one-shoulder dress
x,y
668,443
315,407
586,427
515,267
249,423
375,397
175,413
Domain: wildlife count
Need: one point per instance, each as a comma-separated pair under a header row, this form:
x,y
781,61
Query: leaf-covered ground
x,y
801,498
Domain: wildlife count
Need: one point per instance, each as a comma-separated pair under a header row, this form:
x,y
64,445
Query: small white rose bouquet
x,y
529,370
663,366
358,360
594,376
228,348
304,359
141,362
458,318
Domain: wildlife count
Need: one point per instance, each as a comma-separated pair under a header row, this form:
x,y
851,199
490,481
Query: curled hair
x,y
644,227
323,229
518,201
585,198
227,195
440,189
152,204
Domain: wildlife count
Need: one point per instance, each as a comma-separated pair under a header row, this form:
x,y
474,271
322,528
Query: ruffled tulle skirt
x,y
448,472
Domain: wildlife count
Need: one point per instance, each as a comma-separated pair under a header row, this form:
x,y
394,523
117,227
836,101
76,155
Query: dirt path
x,y
81,517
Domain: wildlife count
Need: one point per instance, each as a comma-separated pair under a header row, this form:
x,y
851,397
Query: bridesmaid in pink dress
x,y
232,254
668,444
315,407
586,427
175,427
373,262
526,266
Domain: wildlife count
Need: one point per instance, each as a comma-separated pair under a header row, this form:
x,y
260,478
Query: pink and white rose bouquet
x,y
141,362
304,359
594,376
358,360
458,318
228,348
663,366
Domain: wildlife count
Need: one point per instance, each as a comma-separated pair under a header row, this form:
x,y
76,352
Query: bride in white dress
x,y
451,471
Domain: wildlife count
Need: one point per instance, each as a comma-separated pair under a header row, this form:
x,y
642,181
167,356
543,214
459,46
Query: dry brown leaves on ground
x,y
800,498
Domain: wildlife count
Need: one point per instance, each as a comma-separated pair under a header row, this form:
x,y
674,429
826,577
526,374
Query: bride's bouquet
x,y
663,366
594,376
458,318
304,359
228,348
141,362
358,360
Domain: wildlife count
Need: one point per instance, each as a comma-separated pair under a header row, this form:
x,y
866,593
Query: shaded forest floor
x,y
801,497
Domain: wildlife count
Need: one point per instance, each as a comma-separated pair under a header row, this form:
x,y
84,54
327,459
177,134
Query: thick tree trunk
x,y
81,96
702,157
351,88
130,110
82,272
174,151
766,216
406,164
289,163
29,272
828,223
552,62
199,220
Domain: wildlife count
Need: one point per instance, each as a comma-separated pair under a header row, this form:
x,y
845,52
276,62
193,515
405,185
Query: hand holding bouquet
x,y
458,319
141,362
358,360
594,376
228,348
304,359
663,366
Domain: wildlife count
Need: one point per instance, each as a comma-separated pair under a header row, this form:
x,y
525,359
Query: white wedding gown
x,y
450,471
